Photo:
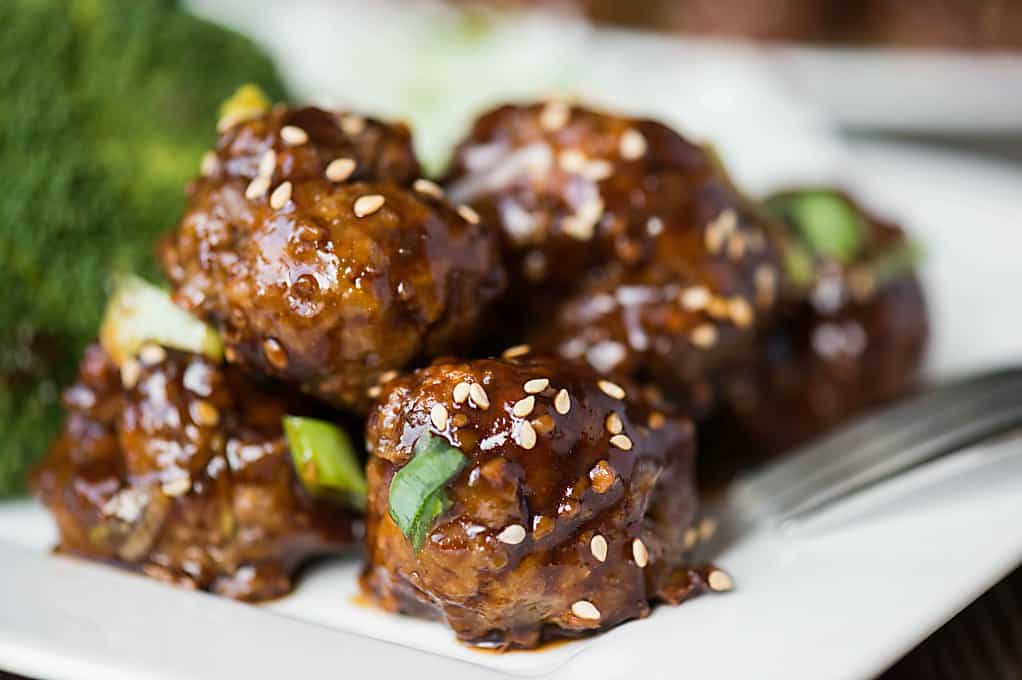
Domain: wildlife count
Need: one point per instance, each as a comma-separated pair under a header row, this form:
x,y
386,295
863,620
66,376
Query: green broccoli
x,y
106,107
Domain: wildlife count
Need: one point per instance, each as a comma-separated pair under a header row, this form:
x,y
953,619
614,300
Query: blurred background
x,y
106,107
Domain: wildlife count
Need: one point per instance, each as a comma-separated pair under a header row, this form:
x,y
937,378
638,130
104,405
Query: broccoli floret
x,y
105,111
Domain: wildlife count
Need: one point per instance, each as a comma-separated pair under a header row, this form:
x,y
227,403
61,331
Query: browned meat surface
x,y
322,281
569,515
855,341
179,468
628,247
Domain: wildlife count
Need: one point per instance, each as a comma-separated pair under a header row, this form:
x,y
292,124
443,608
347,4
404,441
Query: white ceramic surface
x,y
843,603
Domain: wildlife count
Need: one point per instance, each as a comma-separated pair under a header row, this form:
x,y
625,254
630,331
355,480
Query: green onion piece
x,y
139,312
825,220
325,459
895,263
417,496
247,102
798,264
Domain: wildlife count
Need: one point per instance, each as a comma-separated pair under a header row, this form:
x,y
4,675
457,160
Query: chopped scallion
x,y
417,495
325,459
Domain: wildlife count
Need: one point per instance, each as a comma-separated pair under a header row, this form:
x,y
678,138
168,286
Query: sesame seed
x,y
536,385
208,165
597,170
707,528
516,351
424,186
461,391
555,115
621,441
584,609
512,535
736,246
468,214
613,423
257,187
479,396
562,402
741,312
204,413
275,353
694,298
571,160
152,354
352,124
719,581
598,547
582,225
374,391
639,553
367,205
704,336
340,169
602,477
386,377
612,390
632,145
543,424
438,415
177,487
691,538
130,372
280,196
719,229
267,163
654,226
526,435
656,420
293,136
524,407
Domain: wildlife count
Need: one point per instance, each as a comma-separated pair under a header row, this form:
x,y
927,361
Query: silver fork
x,y
937,423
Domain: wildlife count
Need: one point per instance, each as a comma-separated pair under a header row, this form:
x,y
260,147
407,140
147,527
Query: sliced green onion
x,y
826,221
895,263
325,459
139,312
247,102
417,495
798,264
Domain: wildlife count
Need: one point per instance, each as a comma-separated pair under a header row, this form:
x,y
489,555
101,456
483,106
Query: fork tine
x,y
993,423
948,418
807,460
885,443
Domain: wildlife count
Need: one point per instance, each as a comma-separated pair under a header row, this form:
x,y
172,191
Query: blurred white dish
x,y
908,91
844,604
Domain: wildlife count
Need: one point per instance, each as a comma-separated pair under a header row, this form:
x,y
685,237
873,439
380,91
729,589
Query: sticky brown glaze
x,y
853,343
569,487
379,150
183,473
572,188
677,271
332,284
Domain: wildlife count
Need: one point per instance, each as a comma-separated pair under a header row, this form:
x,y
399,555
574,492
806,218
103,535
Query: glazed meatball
x,y
566,514
674,269
305,143
179,468
855,341
325,282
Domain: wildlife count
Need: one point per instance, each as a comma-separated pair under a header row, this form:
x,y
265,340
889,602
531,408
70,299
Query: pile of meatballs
x,y
524,355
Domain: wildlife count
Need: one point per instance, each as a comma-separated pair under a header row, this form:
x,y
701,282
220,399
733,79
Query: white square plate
x,y
842,604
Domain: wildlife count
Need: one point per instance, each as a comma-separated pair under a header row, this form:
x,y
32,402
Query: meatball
x,y
572,189
179,468
855,340
305,143
674,271
325,282
566,514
